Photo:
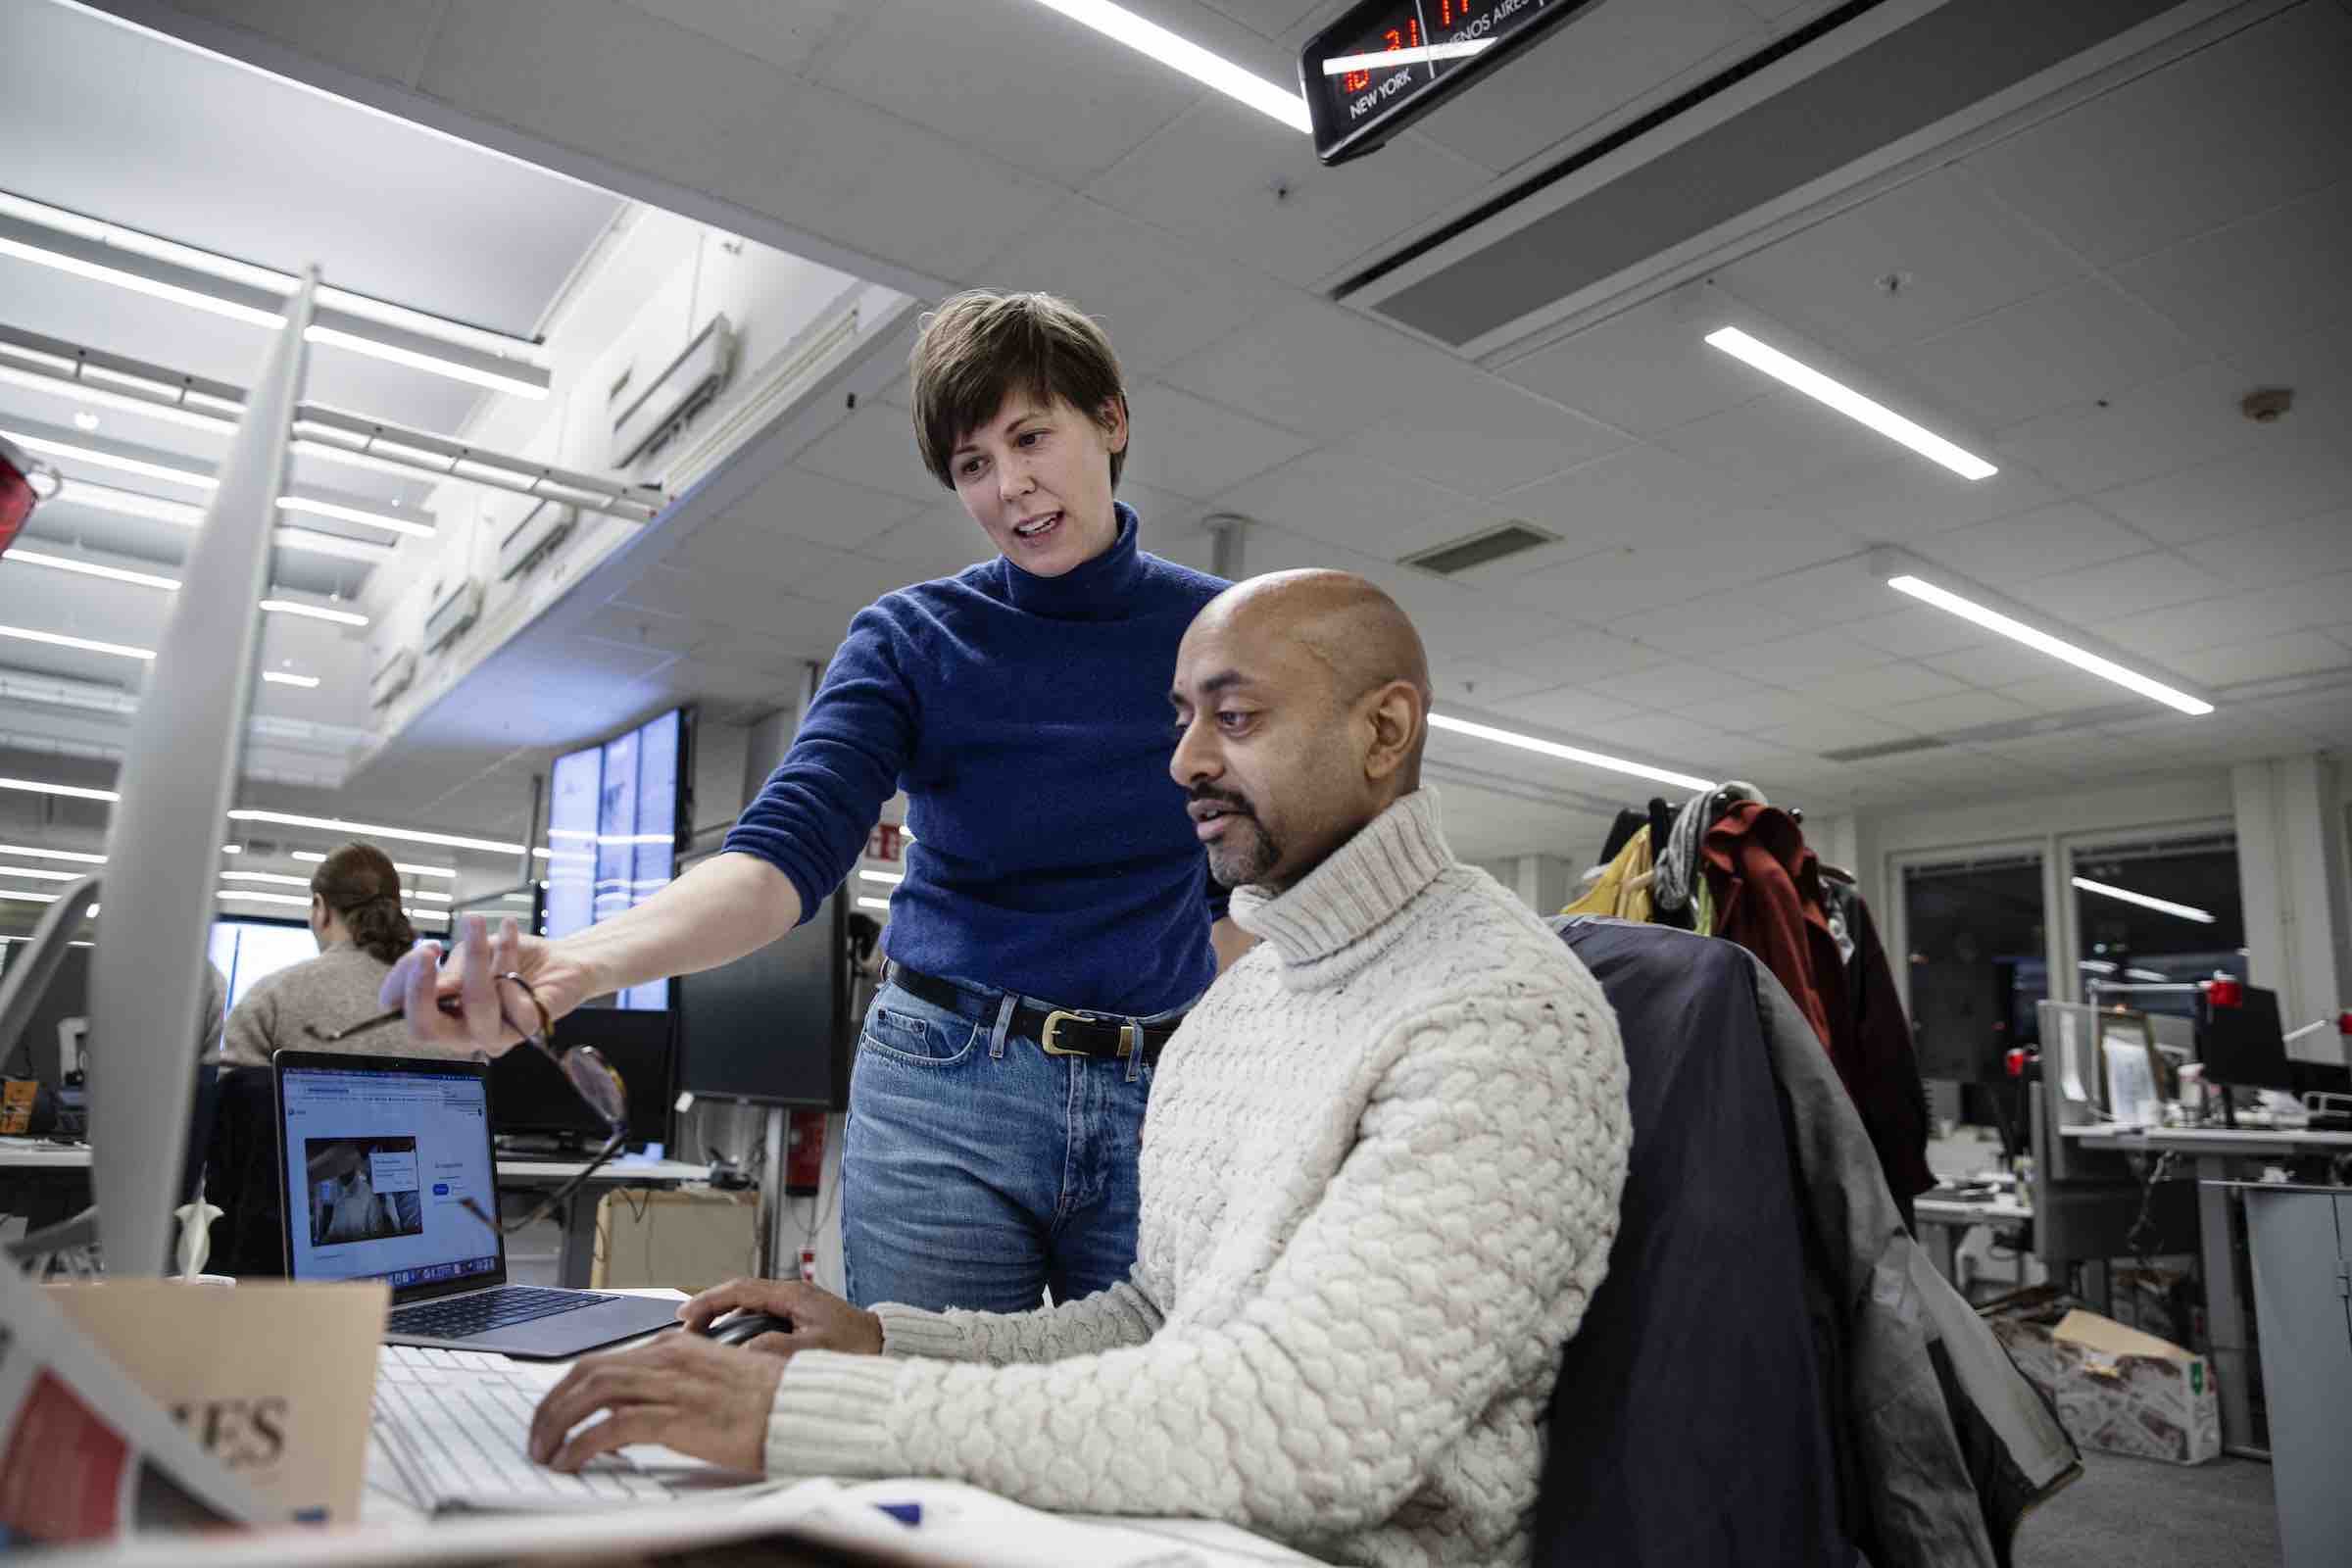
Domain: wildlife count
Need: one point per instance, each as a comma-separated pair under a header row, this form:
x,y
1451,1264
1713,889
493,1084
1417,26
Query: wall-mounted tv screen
x,y
615,812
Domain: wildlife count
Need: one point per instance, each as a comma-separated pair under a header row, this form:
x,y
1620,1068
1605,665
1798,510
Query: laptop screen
x,y
377,1165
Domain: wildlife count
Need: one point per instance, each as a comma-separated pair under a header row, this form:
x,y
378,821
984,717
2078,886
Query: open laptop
x,y
376,1156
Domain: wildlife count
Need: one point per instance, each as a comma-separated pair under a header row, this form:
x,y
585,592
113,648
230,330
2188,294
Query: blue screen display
x,y
611,832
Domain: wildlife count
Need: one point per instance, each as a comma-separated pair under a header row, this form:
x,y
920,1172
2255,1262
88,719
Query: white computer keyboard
x,y
456,1424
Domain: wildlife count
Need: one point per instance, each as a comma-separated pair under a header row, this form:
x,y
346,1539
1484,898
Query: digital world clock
x,y
1387,63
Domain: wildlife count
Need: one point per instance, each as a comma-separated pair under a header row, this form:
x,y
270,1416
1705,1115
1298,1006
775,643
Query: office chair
x,y
241,1178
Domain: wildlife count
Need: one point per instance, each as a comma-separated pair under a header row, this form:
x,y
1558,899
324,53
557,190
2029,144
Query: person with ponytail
x,y
356,920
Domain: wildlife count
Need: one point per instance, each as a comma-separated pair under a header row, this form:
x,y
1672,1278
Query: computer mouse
x,y
744,1327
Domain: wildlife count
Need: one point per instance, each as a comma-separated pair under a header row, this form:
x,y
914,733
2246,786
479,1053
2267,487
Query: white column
x,y
2290,878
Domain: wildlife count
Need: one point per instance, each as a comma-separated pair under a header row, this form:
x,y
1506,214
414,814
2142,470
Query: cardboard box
x,y
2117,1390
276,1380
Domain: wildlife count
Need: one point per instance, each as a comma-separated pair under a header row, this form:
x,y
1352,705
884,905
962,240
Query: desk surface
x,y
1968,1210
34,1153
2254,1141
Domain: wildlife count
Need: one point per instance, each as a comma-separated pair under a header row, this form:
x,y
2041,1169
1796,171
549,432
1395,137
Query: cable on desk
x,y
2142,1237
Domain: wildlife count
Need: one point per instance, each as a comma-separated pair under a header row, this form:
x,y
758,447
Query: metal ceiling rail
x,y
30,358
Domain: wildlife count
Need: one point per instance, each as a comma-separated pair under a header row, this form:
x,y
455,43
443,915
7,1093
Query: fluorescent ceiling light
x,y
289,607
232,849
1850,402
149,579
1122,25
429,896
873,904
1342,64
314,858
85,644
111,459
88,568
2096,965
29,897
263,897
2146,974
374,520
265,876
1569,753
2185,912
139,278
892,877
332,544
281,677
368,830
130,504
82,392
2081,658
39,874
71,792
75,857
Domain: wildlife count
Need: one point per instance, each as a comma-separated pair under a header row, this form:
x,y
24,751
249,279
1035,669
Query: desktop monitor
x,y
245,950
531,1098
2244,1046
773,1026
616,813
35,1053
1960,1019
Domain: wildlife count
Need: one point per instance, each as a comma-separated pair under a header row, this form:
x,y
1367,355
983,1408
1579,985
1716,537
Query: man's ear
x,y
1393,712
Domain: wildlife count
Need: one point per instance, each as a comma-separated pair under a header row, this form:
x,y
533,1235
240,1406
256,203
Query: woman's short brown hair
x,y
361,886
980,346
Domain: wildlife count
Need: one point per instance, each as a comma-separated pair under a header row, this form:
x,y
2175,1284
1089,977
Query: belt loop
x,y
1004,1012
1134,1033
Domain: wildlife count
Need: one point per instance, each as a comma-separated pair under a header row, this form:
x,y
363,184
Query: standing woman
x,y
1055,917
356,920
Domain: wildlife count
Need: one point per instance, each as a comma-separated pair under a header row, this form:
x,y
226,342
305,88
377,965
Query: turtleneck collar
x,y
1342,914
1094,590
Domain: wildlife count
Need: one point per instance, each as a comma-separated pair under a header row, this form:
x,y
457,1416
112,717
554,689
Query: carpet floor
x,y
2137,1513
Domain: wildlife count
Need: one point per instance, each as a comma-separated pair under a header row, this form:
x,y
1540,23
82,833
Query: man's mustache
x,y
1224,797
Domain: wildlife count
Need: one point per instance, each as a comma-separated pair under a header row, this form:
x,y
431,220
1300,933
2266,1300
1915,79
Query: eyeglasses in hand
x,y
583,1067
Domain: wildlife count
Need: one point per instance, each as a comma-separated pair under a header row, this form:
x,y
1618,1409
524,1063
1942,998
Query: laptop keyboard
x,y
462,1317
458,1424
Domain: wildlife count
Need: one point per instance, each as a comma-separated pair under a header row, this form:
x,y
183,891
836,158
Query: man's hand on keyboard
x,y
682,1392
820,1320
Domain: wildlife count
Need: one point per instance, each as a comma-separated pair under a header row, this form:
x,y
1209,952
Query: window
x,y
1978,961
2161,913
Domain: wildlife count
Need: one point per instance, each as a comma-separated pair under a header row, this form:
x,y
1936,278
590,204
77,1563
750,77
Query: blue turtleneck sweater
x,y
1027,719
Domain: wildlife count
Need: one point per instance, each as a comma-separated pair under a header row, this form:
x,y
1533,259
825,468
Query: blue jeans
x,y
978,1171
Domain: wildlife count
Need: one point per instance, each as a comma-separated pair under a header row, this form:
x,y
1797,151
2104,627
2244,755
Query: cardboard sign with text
x,y
275,1381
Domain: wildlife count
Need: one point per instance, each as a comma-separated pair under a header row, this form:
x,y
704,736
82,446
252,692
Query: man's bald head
x,y
1346,623
1303,697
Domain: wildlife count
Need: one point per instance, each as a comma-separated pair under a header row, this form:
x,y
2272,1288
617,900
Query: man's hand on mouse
x,y
820,1320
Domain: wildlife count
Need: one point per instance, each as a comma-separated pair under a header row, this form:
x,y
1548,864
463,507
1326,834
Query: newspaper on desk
x,y
86,1455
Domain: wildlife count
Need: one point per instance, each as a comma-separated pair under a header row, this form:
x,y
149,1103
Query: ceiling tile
x,y
1314,367
873,448
1997,663
2031,544
1474,684
2071,345
2160,634
2284,553
1949,250
1480,435
1834,729
1871,689
981,88
2126,587
1797,660
1644,370
1159,296
1718,622
1573,708
2272,276
2060,690
1352,502
1666,686
1234,181
727,546
1640,494
1196,449
1275,19
1909,498
1755,714
785,36
1584,656
2237,128
2294,653
1916,632
855,581
1659,737
1937,715
2283,475
940,543
2137,434
1780,442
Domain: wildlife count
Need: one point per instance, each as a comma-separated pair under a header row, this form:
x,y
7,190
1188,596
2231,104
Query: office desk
x,y
1948,1219
34,1165
2211,1150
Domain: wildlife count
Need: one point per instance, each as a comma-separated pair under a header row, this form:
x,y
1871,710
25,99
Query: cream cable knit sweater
x,y
1380,1181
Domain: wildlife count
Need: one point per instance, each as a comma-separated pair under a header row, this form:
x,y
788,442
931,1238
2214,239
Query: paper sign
x,y
277,1381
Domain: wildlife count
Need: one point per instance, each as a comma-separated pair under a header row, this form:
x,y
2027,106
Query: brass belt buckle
x,y
1054,1022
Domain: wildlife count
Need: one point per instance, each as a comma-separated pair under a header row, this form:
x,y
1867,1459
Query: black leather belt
x,y
1059,1032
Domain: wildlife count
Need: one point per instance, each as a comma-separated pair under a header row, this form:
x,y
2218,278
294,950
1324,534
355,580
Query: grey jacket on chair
x,y
1952,1444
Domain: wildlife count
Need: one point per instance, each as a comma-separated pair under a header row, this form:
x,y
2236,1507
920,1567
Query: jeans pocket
x,y
912,1032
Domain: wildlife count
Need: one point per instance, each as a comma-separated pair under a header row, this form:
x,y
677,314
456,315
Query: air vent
x,y
1865,754
1480,549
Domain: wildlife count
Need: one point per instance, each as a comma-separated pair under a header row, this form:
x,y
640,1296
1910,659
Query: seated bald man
x,y
1380,1179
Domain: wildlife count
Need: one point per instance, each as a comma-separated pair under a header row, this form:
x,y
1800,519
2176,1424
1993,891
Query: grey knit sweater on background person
x,y
1380,1170
336,988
